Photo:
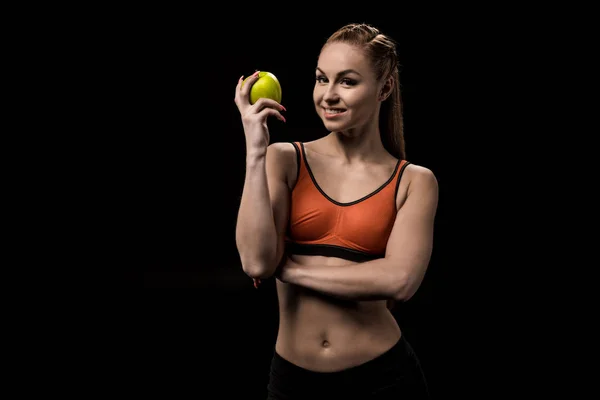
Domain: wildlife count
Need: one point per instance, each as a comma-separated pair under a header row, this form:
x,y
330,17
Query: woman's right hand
x,y
254,116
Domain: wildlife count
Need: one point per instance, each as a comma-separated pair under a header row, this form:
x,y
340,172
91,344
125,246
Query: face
x,y
346,91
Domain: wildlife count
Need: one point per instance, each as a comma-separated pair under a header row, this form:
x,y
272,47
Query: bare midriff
x,y
322,333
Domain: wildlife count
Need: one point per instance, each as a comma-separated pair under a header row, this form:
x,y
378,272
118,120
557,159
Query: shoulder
x,y
421,178
282,152
284,157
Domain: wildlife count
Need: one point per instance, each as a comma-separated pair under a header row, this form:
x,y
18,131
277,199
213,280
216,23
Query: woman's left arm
x,y
408,251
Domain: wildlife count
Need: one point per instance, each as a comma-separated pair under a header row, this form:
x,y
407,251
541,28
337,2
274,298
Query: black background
x,y
206,329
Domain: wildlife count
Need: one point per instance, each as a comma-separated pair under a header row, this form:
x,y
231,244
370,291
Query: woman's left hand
x,y
285,270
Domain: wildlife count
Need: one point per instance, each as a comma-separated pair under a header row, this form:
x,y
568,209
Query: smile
x,y
333,112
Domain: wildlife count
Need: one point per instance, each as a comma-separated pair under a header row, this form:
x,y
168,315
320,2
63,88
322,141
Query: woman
x,y
344,222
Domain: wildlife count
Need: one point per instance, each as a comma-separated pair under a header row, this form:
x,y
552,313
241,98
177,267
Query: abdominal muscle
x,y
325,334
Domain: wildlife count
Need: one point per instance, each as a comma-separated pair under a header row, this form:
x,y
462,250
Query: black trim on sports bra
x,y
329,250
352,202
297,160
398,181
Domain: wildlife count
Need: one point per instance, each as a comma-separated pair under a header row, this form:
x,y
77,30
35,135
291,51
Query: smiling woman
x,y
345,224
347,97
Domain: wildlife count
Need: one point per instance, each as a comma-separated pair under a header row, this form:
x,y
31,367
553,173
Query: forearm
x,y
256,234
372,280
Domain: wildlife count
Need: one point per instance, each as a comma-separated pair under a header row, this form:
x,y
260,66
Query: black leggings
x,y
395,374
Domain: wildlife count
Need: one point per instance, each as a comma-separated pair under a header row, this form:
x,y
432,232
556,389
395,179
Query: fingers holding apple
x,y
242,91
262,90
258,97
263,108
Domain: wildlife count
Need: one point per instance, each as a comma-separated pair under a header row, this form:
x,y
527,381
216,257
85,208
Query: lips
x,y
334,110
332,113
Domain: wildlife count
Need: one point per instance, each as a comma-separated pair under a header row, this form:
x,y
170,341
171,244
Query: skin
x,y
333,312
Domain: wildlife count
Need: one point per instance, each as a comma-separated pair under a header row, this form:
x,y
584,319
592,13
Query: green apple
x,y
267,86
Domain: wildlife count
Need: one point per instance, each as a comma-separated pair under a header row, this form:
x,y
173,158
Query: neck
x,y
358,144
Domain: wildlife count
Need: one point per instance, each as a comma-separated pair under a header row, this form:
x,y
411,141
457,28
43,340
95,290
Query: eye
x,y
343,81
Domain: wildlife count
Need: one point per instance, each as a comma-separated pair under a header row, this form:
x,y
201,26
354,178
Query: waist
x,y
354,382
323,333
389,354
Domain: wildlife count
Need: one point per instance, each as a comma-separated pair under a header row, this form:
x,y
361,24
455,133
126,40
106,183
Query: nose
x,y
331,96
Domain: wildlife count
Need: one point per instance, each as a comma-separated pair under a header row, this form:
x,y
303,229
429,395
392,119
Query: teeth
x,y
333,111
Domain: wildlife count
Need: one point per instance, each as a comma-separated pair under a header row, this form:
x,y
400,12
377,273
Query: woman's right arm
x,y
263,211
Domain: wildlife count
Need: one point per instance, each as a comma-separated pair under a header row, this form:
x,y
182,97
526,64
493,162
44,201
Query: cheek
x,y
317,95
356,101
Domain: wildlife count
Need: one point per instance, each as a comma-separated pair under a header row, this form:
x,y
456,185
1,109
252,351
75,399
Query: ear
x,y
386,88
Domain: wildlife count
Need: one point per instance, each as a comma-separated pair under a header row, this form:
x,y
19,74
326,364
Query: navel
x,y
325,344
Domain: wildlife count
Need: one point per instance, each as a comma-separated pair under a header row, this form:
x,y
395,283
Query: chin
x,y
331,127
336,126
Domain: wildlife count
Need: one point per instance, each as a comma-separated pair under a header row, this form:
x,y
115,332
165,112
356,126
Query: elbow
x,y
405,287
404,295
257,270
254,265
259,266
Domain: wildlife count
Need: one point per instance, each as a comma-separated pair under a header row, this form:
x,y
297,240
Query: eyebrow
x,y
344,72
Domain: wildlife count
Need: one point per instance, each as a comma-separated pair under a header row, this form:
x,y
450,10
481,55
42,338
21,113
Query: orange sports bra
x,y
356,231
